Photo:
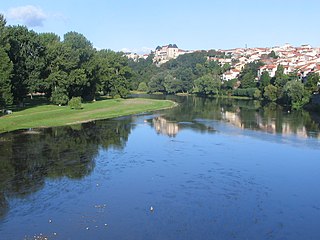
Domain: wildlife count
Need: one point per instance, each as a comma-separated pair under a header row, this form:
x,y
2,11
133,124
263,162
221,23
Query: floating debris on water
x,y
100,205
36,237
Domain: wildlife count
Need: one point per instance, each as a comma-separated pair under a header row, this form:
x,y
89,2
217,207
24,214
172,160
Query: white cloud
x,y
29,15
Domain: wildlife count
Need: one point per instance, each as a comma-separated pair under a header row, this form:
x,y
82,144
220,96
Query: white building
x,y
270,69
229,75
165,53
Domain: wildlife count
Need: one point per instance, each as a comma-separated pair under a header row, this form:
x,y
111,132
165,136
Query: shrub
x,y
142,87
270,93
257,94
75,103
247,92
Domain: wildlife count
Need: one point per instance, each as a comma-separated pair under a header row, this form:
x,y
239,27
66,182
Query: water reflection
x,y
29,157
198,183
163,126
245,114
171,128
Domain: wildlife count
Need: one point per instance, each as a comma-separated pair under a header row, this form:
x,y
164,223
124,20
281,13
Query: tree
x,y
248,80
297,95
280,79
24,53
270,93
207,85
248,74
5,83
81,52
156,83
114,73
273,55
312,82
257,94
172,84
59,96
185,76
6,67
264,80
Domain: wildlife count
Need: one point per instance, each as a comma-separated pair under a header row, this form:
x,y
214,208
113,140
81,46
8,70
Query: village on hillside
x,y
302,60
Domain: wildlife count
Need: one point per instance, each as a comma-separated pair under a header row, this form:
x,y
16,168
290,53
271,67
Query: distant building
x,y
135,57
229,75
270,69
167,52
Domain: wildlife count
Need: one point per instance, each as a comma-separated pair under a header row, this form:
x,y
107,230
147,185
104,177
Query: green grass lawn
x,y
52,115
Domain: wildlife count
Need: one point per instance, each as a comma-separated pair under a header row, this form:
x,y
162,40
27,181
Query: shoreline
x,y
46,116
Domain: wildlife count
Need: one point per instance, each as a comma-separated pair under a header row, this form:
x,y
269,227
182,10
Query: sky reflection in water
x,y
210,169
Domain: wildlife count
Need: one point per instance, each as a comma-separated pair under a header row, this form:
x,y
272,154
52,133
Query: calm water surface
x,y
210,169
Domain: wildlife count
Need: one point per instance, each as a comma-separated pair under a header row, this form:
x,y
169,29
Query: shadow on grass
x,y
41,101
29,103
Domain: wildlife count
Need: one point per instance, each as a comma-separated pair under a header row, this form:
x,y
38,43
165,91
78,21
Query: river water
x,y
207,169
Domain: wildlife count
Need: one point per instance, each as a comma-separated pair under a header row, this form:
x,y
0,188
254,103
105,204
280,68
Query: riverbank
x,y
192,94
52,115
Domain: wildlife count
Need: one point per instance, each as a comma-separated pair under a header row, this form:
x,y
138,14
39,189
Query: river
x,y
207,169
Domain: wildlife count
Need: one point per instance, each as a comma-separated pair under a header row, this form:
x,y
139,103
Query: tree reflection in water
x,y
29,157
244,114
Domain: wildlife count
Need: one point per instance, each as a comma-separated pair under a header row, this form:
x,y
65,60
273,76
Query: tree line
x,y
189,73
194,73
41,63
60,69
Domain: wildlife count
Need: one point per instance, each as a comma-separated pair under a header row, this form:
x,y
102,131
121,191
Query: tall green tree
x,y
270,93
114,73
280,79
185,77
207,85
312,82
27,56
248,80
6,67
296,94
156,83
172,84
264,80
249,73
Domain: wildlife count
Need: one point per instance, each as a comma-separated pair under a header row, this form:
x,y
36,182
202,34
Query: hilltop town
x,y
302,60
161,54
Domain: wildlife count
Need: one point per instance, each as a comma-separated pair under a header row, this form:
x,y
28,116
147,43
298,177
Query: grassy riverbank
x,y
52,115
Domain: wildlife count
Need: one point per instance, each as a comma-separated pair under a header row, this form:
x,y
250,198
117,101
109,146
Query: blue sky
x,y
141,25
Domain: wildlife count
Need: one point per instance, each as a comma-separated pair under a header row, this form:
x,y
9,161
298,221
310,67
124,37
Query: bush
x,y
142,87
75,103
251,92
257,94
270,93
246,92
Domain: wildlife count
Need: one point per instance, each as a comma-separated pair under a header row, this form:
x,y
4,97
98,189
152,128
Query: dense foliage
x,y
33,63
189,73
196,73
